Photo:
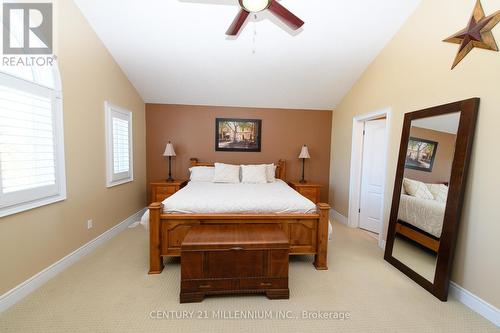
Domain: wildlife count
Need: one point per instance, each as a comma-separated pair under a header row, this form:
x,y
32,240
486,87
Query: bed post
x,y
155,259
320,259
281,170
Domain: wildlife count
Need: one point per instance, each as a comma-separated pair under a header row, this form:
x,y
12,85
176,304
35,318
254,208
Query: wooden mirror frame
x,y
463,148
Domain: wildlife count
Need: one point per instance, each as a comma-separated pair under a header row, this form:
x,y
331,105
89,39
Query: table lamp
x,y
169,151
304,154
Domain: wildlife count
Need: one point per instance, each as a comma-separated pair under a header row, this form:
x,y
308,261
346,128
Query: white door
x,y
372,176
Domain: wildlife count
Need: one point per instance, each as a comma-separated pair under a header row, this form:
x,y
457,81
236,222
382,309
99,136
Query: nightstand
x,y
309,190
162,190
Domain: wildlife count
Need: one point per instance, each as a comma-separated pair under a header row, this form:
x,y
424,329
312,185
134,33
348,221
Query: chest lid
x,y
235,236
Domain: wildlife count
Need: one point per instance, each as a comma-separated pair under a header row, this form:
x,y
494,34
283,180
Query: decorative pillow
x,y
417,189
226,173
202,174
439,192
254,174
403,189
271,173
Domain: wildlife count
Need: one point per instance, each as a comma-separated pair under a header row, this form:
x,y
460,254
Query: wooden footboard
x,y
308,233
417,235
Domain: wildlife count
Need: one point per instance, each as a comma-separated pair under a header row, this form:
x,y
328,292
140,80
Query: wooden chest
x,y
245,258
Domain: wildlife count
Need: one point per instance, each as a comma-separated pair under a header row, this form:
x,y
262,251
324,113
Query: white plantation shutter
x,y
121,162
118,145
31,145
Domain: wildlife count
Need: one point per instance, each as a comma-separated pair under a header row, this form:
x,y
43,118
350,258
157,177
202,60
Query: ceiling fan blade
x,y
285,15
237,23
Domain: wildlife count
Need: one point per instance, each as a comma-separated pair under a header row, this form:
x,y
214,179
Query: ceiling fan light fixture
x,y
254,6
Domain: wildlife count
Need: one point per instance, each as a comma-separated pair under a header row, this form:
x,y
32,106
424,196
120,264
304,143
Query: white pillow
x,y
417,189
271,173
439,191
254,174
202,174
226,173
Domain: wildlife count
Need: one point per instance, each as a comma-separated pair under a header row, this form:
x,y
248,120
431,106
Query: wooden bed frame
x,y
421,237
308,233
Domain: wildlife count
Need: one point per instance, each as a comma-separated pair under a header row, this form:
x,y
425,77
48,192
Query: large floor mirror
x,y
434,155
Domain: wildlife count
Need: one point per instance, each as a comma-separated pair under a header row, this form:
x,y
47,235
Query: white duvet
x,y
212,198
427,215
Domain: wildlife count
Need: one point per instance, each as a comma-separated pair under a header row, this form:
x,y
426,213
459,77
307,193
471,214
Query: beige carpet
x,y
421,261
109,291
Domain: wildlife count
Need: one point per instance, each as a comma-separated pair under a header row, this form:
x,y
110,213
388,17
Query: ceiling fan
x,y
255,6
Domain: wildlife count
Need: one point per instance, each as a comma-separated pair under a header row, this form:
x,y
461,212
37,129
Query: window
x,y
32,172
119,162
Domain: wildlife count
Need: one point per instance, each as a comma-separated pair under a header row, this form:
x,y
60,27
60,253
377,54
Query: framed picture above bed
x,y
421,154
238,134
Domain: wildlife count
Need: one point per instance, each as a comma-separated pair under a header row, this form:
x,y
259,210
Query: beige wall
x,y
441,170
35,239
192,131
411,73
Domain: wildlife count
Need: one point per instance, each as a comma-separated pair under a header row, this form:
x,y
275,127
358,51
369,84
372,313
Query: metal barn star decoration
x,y
476,34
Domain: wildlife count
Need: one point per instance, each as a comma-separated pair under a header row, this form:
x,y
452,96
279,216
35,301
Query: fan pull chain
x,y
254,39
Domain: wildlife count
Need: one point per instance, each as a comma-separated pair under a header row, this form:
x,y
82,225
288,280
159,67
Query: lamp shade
x,y
169,150
304,153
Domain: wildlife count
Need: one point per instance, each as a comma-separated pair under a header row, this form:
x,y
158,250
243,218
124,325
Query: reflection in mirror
x,y
429,159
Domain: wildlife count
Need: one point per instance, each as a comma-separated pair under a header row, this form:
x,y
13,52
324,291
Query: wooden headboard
x,y
280,167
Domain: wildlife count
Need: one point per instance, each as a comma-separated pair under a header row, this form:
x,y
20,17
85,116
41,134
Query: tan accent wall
x,y
441,170
192,131
412,73
35,239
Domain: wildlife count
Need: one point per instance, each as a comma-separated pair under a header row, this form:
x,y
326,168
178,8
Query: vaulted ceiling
x,y
176,51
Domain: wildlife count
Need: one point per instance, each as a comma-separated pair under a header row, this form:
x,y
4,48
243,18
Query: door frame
x,y
358,125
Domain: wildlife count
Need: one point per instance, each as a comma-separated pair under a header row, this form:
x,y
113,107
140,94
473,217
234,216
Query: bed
x,y
421,220
305,224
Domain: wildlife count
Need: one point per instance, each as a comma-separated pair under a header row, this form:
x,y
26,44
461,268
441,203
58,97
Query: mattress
x,y
214,198
426,215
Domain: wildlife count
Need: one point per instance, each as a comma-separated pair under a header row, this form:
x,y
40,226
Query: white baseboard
x,y
22,290
336,216
475,303
381,244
